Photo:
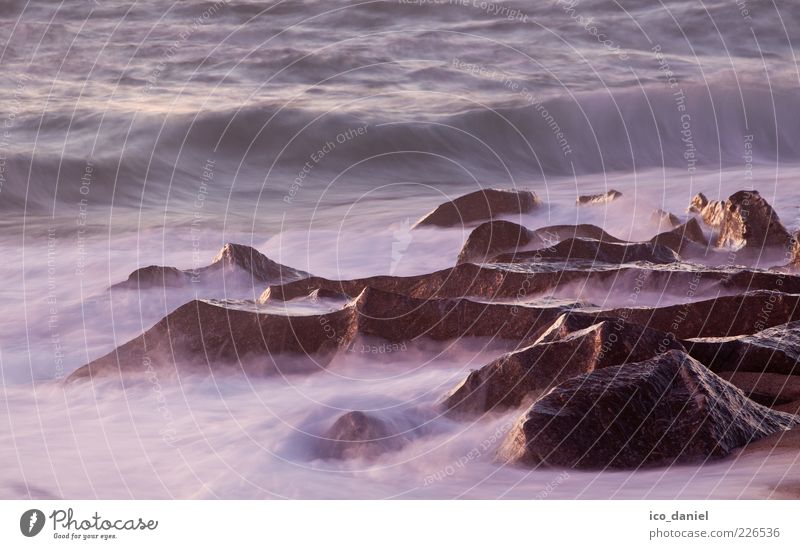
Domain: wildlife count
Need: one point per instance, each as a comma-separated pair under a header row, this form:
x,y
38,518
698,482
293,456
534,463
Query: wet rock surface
x,y
236,262
711,212
604,198
558,354
358,435
492,238
581,249
667,410
749,221
483,205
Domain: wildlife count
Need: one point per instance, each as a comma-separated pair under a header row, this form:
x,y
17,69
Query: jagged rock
x,y
686,240
200,335
358,435
556,233
775,350
528,279
579,249
720,317
750,222
155,276
666,410
491,238
483,205
767,389
604,198
711,212
524,375
661,218
232,260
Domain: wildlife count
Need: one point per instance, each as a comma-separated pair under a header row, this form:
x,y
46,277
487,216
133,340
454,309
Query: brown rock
x,y
199,336
666,410
687,240
767,389
579,249
483,205
750,222
235,262
661,218
491,238
711,212
556,233
524,375
774,350
604,198
358,435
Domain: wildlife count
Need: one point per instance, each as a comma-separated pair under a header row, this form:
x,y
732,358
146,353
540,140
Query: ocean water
x,y
318,132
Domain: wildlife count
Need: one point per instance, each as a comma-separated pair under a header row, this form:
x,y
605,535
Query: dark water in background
x,y
150,132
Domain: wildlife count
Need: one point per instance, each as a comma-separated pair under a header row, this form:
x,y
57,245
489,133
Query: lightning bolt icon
x,y
34,520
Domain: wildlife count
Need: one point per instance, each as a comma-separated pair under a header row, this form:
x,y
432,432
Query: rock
x,y
491,238
711,212
234,263
721,317
579,249
200,336
483,205
774,350
554,234
794,261
661,218
524,375
155,276
686,240
765,388
358,435
605,198
750,222
666,410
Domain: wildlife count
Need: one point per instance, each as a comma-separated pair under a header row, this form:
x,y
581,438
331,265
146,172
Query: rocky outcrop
x,y
358,435
663,219
234,262
548,236
666,410
492,238
604,198
711,212
770,390
524,375
579,249
200,336
483,205
750,222
775,350
686,240
724,316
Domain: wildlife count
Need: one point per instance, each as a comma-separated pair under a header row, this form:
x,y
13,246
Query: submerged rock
x,y
774,350
604,198
491,238
236,262
358,435
661,218
556,233
579,249
666,410
749,221
483,205
524,375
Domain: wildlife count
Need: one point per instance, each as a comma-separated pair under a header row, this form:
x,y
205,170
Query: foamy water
x,y
319,132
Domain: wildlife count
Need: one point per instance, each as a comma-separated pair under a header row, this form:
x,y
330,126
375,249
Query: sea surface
x,y
153,132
